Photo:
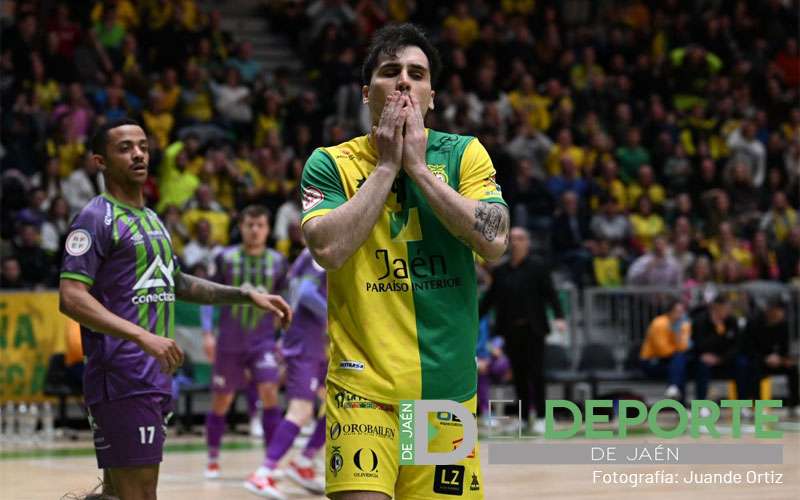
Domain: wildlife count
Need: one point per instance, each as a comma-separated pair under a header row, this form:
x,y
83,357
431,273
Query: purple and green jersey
x,y
125,256
246,327
308,287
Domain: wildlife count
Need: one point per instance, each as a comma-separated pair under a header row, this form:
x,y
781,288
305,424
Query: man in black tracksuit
x,y
768,347
520,293
718,349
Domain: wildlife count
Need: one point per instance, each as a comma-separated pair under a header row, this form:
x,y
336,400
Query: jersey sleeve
x,y
477,179
88,245
321,186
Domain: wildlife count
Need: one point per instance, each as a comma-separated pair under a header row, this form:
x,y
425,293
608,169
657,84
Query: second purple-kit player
x,y
305,353
246,340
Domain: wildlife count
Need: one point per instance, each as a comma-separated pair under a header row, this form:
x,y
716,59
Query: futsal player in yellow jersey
x,y
395,217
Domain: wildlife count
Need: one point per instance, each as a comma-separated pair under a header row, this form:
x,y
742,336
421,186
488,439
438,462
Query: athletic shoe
x,y
263,486
212,471
306,477
672,392
256,430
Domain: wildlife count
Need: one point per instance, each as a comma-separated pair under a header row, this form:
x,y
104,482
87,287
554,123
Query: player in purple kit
x,y
120,280
246,339
304,350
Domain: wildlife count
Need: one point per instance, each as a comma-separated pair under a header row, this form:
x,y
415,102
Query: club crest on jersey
x,y
78,242
440,172
311,197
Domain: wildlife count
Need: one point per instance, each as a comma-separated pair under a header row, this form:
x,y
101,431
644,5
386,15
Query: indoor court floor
x,y
70,467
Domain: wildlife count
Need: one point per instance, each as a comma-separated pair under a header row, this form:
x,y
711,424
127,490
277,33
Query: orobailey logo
x,y
157,275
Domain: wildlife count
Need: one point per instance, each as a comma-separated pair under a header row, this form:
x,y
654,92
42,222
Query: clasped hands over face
x,y
400,134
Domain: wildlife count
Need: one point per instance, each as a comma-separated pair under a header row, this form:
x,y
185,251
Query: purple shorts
x,y
229,369
304,375
130,432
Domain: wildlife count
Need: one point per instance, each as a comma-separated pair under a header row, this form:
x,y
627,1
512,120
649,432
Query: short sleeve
x,y
321,186
477,180
88,244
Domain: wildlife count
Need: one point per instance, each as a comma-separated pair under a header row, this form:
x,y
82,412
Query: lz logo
x,y
449,479
157,268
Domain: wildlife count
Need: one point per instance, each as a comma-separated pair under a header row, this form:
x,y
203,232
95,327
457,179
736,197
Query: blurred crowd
x,y
640,142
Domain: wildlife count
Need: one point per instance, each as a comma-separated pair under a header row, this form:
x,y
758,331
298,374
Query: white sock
x,y
301,461
263,471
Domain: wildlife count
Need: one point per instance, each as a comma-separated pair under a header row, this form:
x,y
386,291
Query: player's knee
x,y
220,403
299,412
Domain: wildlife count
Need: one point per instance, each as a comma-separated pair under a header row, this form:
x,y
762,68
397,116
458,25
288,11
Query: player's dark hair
x,y
256,211
392,37
99,140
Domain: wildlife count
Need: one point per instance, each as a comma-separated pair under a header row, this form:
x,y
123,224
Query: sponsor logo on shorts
x,y
449,480
268,361
474,485
345,399
351,365
336,461
366,460
448,419
362,430
78,242
312,197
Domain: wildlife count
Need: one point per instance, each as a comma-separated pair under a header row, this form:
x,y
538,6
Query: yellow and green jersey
x,y
402,311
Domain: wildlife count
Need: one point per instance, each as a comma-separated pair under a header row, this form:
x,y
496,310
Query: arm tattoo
x,y
489,218
193,289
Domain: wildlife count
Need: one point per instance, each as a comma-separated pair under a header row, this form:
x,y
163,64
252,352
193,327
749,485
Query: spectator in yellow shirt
x,y
464,25
169,88
204,206
646,185
646,224
158,121
529,105
564,146
664,351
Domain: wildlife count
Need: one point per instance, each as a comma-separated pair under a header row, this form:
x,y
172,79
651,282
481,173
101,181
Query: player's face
x,y
126,157
408,71
255,231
